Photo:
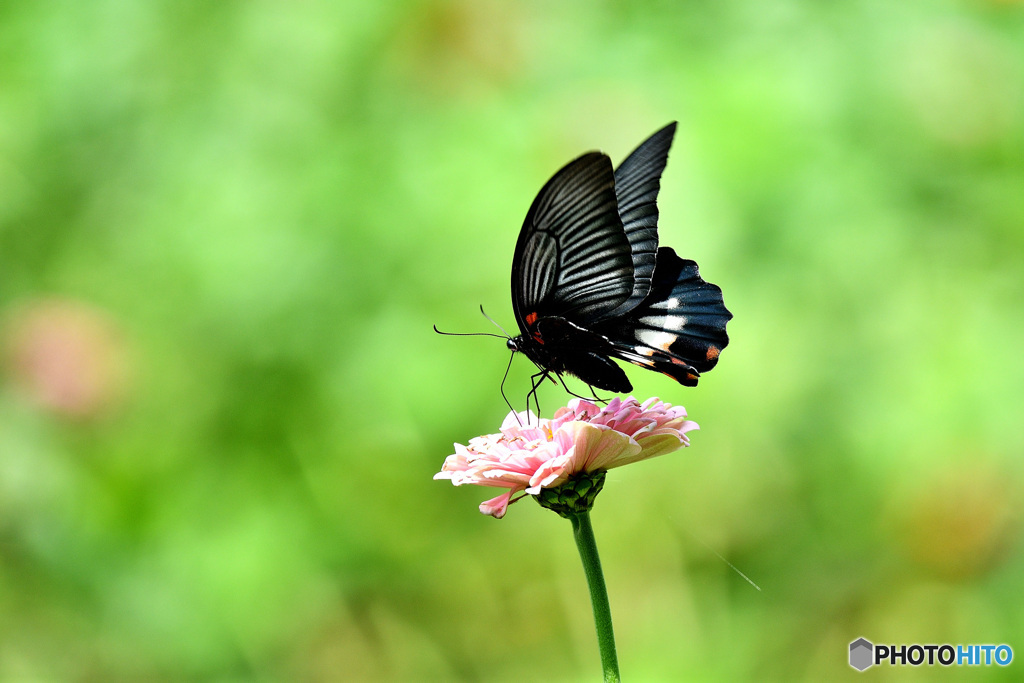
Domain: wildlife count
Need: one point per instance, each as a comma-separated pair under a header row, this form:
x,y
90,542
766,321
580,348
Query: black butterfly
x,y
589,282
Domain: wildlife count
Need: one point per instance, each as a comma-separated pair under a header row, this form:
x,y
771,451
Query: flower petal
x,y
496,507
652,447
597,446
514,419
553,472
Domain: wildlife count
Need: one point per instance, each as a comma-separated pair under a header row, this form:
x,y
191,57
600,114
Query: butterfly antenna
x,y
468,334
502,389
507,335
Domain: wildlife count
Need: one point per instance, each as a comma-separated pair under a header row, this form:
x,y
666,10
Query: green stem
x,y
584,535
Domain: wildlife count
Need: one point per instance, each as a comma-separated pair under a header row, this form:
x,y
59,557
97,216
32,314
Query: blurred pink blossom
x,y
66,355
530,454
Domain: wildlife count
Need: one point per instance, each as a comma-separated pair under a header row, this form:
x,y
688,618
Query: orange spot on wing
x,y
531,318
713,352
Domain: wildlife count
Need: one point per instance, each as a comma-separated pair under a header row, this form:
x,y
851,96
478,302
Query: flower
x,y
529,455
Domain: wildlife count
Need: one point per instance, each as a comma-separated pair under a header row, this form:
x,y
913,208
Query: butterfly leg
x,y
535,382
596,397
572,393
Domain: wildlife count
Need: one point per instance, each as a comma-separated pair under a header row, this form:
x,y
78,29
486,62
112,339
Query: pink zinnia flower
x,y
529,455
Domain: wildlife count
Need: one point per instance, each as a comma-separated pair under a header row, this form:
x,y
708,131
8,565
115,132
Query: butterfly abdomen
x,y
559,346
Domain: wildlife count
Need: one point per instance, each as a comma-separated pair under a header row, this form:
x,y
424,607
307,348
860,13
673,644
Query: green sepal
x,y
575,496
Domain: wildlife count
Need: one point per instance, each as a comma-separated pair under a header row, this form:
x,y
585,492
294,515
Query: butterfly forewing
x,y
573,259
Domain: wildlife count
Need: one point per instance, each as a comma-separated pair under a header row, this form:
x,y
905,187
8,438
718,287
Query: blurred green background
x,y
227,228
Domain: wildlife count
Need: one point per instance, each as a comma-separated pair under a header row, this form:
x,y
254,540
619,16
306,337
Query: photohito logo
x,y
863,653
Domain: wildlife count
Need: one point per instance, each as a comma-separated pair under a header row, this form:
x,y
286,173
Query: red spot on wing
x,y
531,318
713,352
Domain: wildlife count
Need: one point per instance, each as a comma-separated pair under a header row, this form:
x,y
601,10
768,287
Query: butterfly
x,y
590,283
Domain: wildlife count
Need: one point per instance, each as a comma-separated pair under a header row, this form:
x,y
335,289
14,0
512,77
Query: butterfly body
x,y
589,282
561,346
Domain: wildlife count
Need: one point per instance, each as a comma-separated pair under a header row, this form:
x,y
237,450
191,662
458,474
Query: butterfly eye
x,y
511,344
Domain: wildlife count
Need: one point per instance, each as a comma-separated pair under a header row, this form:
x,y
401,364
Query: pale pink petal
x,y
514,419
552,473
633,426
681,428
496,507
597,446
526,434
583,409
652,447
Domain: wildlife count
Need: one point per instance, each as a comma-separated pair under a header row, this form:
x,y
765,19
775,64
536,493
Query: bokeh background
x,y
227,228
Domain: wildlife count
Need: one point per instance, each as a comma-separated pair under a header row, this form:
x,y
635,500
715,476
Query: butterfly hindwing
x,y
680,328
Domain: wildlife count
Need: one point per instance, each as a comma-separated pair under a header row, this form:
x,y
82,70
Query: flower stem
x,y
583,532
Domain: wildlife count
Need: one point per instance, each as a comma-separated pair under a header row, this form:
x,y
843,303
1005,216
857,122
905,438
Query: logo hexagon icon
x,y
861,654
